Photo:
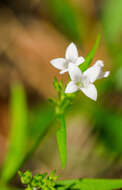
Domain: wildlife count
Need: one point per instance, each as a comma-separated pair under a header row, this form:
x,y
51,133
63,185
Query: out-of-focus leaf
x,y
112,20
90,56
118,78
18,134
4,187
91,184
64,15
109,128
22,142
61,140
112,27
41,120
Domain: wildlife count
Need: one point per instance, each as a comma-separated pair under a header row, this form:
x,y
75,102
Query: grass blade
x,y
18,133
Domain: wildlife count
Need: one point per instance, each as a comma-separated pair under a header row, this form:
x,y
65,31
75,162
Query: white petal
x,y
99,63
74,72
59,63
63,71
104,74
79,61
71,52
90,91
71,87
93,72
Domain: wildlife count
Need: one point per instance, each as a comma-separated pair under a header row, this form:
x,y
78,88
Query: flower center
x,y
66,65
83,82
80,84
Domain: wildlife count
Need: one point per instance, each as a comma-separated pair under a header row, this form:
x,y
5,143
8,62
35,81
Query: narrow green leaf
x,y
22,142
61,141
98,184
41,119
40,122
90,56
18,133
92,184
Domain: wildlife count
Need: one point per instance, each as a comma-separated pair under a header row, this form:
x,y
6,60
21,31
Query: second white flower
x,y
84,81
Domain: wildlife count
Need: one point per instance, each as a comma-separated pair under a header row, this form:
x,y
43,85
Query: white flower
x,y
71,56
84,81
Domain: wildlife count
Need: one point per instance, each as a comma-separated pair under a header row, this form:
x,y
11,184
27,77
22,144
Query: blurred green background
x,y
33,32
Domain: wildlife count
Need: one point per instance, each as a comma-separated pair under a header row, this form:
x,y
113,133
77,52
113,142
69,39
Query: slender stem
x,y
62,140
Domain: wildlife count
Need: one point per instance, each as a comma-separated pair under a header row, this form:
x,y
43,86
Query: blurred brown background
x,y
30,36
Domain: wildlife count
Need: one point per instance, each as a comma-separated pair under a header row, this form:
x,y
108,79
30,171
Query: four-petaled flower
x,y
84,81
71,56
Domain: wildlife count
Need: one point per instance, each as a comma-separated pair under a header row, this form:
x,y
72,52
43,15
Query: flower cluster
x,y
79,80
38,181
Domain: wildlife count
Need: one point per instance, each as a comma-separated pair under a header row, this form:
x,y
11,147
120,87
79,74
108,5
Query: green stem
x,y
61,140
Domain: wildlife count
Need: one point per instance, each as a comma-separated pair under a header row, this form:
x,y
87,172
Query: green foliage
x,y
26,177
89,184
63,14
41,119
49,182
62,104
23,142
109,128
5,187
112,20
90,56
61,140
18,136
63,101
118,79
39,181
112,27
